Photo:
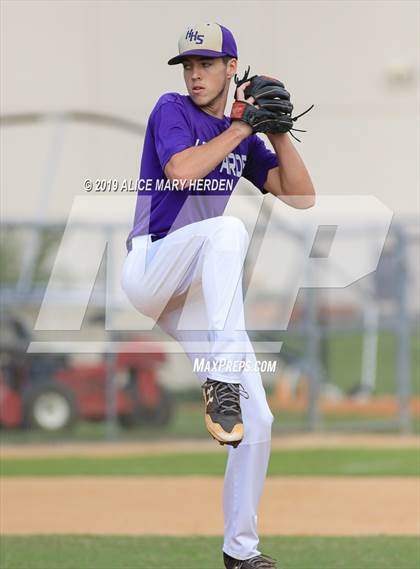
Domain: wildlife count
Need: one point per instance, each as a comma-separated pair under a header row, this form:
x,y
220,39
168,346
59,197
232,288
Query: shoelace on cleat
x,y
226,395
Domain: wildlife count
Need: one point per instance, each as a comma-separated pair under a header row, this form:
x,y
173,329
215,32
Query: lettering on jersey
x,y
233,164
194,36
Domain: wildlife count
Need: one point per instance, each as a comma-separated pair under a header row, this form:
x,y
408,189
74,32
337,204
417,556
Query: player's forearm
x,y
197,161
295,181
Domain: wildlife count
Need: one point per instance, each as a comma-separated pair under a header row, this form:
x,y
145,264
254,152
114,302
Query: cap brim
x,y
203,52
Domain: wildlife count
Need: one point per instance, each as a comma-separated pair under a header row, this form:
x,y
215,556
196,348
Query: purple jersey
x,y
175,124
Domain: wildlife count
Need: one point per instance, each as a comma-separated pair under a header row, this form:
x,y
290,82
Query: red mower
x,y
45,391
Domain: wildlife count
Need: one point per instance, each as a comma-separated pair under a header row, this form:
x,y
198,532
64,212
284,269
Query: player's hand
x,y
240,93
240,96
263,103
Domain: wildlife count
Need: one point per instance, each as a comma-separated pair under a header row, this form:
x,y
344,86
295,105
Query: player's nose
x,y
195,73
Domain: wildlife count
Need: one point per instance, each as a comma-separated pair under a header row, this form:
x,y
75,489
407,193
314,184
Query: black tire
x,y
50,406
159,416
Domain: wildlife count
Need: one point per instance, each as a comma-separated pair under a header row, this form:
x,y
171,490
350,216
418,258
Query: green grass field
x,y
71,552
302,462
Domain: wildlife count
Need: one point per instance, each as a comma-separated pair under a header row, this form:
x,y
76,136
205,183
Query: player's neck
x,y
217,113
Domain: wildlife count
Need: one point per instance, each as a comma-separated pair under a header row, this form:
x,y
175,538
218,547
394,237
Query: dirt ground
x,y
193,506
169,505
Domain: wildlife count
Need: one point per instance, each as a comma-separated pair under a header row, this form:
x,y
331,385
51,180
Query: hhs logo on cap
x,y
207,39
193,35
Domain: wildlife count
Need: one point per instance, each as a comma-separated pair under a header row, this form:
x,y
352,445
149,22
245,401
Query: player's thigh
x,y
154,272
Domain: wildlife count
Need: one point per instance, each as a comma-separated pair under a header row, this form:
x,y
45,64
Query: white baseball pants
x,y
190,282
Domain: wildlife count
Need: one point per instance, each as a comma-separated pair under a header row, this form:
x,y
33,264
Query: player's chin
x,y
200,98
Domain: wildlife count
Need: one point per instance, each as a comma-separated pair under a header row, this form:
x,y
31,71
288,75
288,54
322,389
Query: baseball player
x,y
185,258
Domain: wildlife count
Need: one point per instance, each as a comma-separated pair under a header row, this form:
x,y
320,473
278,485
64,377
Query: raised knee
x,y
235,225
231,231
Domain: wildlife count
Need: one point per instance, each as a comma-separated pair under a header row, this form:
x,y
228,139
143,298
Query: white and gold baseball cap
x,y
208,40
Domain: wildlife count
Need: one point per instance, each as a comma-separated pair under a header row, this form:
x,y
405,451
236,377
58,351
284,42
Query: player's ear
x,y
231,68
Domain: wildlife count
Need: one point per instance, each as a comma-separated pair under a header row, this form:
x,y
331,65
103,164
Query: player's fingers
x,y
240,93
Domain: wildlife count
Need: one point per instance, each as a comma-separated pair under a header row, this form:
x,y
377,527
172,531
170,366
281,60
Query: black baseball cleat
x,y
223,411
258,562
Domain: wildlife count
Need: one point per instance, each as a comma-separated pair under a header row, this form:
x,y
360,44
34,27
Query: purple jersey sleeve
x,y
172,131
260,160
